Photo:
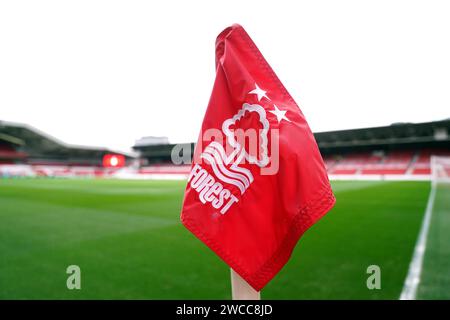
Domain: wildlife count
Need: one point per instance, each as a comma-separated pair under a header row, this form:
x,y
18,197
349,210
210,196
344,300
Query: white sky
x,y
108,72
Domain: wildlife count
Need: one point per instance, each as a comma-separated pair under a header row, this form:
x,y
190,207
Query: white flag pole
x,y
241,290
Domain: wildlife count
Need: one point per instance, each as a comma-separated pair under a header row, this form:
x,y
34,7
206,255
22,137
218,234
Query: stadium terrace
x,y
400,151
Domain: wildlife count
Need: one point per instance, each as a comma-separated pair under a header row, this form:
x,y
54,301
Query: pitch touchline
x,y
415,268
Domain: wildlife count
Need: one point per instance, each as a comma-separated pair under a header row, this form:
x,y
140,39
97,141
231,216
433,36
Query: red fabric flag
x,y
258,181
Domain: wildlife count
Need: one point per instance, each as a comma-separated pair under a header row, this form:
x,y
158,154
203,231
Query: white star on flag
x,y
259,92
280,114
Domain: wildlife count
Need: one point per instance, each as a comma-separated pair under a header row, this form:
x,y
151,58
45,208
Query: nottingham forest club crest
x,y
223,174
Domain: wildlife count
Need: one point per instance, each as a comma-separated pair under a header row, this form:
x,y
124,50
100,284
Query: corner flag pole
x,y
241,290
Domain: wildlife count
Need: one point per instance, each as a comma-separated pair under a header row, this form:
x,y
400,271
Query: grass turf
x,y
128,241
435,279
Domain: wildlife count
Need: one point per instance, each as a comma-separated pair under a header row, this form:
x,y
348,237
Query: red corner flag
x,y
258,181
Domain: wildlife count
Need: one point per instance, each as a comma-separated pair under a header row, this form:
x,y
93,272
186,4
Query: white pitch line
x,y
415,268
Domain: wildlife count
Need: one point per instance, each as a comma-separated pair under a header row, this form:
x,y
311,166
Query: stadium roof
x,y
38,144
398,135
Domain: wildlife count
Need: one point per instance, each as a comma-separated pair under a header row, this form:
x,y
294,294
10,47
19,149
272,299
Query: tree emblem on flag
x,y
262,134
227,167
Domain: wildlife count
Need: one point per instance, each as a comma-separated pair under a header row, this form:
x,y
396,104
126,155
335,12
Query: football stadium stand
x,y
399,151
26,151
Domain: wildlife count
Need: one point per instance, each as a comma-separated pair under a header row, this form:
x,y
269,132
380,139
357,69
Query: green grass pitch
x,y
129,243
435,280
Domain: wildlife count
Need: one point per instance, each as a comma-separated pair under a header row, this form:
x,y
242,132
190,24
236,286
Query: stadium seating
x,y
8,154
422,163
165,169
394,163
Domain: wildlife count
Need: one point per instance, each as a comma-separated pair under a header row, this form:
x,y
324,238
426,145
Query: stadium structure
x,y
400,151
27,151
